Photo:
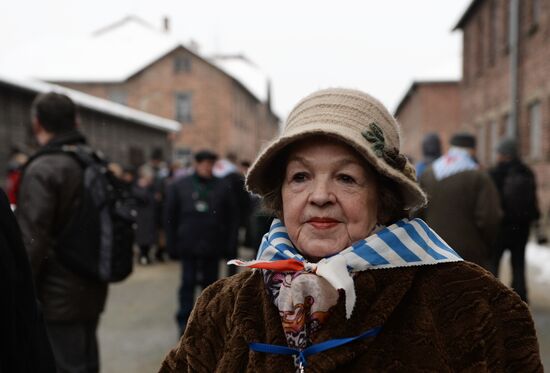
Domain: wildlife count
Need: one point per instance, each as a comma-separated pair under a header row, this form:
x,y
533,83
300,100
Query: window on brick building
x,y
496,136
466,57
479,47
535,11
535,14
493,30
182,64
183,107
481,148
505,34
535,130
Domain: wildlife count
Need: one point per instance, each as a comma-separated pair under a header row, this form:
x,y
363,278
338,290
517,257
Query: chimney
x,y
166,24
194,46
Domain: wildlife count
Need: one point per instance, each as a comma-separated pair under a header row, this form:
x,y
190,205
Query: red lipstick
x,y
323,223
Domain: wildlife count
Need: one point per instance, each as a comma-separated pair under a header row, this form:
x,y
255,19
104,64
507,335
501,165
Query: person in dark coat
x,y
200,221
517,189
463,205
160,176
431,150
234,182
24,344
144,192
50,195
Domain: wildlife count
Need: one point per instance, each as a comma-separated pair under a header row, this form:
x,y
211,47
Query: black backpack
x,y
97,243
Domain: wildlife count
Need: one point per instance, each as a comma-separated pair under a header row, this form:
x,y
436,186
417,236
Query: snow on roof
x,y
95,103
245,72
112,54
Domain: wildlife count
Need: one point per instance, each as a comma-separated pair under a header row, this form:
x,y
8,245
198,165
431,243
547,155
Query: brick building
x,y
124,135
506,79
222,103
428,106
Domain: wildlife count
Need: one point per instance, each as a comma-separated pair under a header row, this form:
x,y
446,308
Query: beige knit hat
x,y
353,117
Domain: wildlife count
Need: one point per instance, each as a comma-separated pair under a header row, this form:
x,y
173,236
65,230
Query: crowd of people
x,y
482,212
333,198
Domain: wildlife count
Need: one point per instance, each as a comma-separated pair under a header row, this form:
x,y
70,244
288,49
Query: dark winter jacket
x,y
452,317
200,218
234,182
464,210
50,194
24,345
146,220
516,185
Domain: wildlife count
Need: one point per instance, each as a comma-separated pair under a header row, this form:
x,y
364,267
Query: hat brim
x,y
258,180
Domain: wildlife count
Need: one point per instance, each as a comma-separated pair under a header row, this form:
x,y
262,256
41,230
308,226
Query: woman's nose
x,y
321,193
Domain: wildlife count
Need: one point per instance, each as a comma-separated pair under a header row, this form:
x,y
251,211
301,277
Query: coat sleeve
x,y
36,212
483,325
488,211
515,346
203,343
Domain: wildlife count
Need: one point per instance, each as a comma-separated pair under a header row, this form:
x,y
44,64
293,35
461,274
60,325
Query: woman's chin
x,y
314,253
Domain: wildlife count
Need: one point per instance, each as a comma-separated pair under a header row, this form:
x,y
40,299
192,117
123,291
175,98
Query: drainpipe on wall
x,y
512,128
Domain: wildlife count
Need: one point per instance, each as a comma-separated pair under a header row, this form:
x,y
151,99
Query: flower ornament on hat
x,y
375,136
353,117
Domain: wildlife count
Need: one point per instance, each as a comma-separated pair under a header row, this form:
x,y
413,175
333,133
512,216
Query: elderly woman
x,y
344,280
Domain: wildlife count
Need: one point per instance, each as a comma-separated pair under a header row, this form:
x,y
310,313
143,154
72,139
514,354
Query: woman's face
x,y
329,197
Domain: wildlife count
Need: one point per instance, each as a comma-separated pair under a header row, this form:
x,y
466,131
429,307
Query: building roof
x,y
244,72
471,8
95,103
114,54
410,92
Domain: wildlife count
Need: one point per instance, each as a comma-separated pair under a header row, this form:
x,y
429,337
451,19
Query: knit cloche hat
x,y
354,118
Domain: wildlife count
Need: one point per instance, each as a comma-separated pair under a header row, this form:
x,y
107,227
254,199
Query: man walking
x,y
463,206
517,189
200,219
49,197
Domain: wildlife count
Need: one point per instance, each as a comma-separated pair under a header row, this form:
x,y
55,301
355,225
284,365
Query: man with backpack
x,y
50,199
517,189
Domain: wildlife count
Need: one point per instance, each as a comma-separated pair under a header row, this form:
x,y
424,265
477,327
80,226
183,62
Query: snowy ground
x,y
538,287
538,274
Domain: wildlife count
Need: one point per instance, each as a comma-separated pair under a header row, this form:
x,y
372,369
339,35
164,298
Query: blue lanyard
x,y
311,350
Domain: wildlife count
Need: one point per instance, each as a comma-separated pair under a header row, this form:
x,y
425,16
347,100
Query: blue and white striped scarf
x,y
403,244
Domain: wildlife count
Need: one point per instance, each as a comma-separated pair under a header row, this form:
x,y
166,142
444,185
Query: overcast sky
x,y
380,47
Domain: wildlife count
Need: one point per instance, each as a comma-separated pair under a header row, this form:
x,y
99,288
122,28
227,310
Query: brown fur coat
x,y
452,317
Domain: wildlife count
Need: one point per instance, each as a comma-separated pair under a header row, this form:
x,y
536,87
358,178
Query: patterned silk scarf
x,y
305,292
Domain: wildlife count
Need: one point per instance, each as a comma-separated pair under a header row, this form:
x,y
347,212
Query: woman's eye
x,y
346,179
299,177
